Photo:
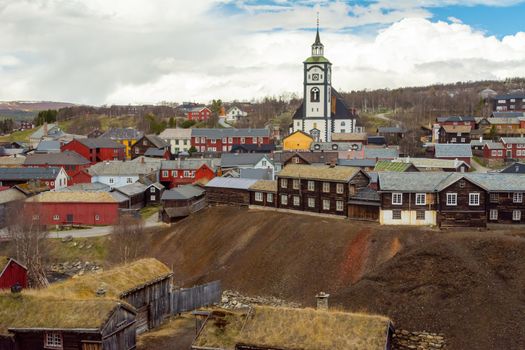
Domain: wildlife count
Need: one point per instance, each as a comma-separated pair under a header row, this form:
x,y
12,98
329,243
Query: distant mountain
x,y
32,106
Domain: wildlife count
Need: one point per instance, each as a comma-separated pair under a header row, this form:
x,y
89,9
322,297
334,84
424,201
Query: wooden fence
x,y
189,299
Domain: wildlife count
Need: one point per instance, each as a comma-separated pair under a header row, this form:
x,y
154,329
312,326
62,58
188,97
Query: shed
x,y
12,273
229,191
181,202
135,193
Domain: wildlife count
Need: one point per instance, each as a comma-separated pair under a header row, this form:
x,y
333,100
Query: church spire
x,y
317,47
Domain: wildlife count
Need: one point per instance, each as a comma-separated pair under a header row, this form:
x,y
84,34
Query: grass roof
x,y
386,165
288,328
73,197
264,185
117,282
319,172
3,262
29,310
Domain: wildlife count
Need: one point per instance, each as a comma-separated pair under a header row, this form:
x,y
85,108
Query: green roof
x,y
316,59
385,165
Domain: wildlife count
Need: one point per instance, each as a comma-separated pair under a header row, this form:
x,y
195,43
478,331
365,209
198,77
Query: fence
x,y
188,299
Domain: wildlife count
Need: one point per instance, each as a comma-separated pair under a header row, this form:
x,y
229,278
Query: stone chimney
x,y
322,301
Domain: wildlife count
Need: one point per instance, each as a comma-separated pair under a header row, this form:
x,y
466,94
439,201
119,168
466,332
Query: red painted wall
x,y
218,144
202,115
92,155
83,213
487,153
13,273
79,177
175,177
71,170
514,150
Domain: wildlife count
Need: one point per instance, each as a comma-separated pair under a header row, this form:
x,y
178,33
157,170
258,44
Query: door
x,y
91,346
69,218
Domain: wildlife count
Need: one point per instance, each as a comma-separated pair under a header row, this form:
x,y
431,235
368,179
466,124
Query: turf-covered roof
x,y
287,328
72,197
319,172
386,165
264,185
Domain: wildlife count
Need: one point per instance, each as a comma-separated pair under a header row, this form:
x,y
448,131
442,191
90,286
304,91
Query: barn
x,y
11,273
229,191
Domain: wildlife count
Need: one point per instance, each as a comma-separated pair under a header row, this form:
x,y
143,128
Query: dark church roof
x,y
341,110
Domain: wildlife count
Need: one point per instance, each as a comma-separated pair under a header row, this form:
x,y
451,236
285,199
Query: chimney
x,y
45,129
322,301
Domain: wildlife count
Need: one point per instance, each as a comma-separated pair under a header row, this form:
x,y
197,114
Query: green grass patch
x,y
18,136
92,249
149,211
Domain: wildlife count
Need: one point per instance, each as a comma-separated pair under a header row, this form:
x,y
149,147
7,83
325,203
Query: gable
x,y
122,315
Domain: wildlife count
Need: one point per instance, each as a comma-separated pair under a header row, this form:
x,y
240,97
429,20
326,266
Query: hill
x,y
469,285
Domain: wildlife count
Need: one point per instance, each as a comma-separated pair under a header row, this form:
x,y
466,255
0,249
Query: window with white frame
x,y
258,197
187,173
165,173
284,183
516,215
129,180
420,215
174,173
56,217
397,198
296,184
339,206
326,204
340,188
311,202
230,139
473,199
243,140
296,160
493,214
269,197
152,198
111,180
296,201
421,198
53,340
517,197
396,214
97,217
452,199
152,189
311,186
284,199
326,187
264,163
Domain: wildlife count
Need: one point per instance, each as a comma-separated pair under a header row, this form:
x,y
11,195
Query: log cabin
x,y
229,191
319,189
263,193
181,202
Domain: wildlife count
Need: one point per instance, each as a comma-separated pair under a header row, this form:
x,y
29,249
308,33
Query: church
x,y
323,110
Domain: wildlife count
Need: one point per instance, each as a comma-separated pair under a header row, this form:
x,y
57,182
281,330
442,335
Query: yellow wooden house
x,y
297,141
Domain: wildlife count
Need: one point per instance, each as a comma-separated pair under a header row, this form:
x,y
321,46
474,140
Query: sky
x,y
148,51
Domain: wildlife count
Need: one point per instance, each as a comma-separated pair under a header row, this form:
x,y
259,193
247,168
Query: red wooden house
x,y
199,114
494,150
74,208
72,162
514,147
97,150
12,273
222,140
184,172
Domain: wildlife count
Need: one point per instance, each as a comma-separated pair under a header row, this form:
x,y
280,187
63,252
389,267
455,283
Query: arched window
x,y
314,95
316,134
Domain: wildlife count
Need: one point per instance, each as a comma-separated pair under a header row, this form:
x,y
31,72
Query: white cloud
x,y
131,51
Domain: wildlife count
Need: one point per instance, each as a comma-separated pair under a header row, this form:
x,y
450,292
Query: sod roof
x,y
264,185
73,197
19,311
287,328
321,172
386,165
117,282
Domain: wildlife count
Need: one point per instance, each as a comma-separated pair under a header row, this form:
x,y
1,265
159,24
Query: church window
x,y
314,95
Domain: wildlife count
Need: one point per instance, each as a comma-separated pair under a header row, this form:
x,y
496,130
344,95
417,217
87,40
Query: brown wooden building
x,y
229,191
364,205
148,143
454,134
319,189
264,193
181,202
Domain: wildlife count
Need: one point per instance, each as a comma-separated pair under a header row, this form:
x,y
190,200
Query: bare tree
x,y
29,237
127,239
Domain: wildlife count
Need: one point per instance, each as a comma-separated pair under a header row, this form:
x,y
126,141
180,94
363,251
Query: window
x,y
326,187
397,198
165,173
230,139
152,189
187,173
152,198
421,199
296,184
326,204
452,199
36,217
111,180
311,186
453,140
420,215
473,199
340,188
243,140
396,214
462,184
97,217
264,163
314,95
494,197
129,180
517,197
339,206
284,199
56,217
174,173
258,197
53,340
516,215
296,201
311,202
296,160
493,214
269,197
284,183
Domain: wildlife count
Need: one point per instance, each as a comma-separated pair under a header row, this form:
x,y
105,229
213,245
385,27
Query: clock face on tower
x,y
315,77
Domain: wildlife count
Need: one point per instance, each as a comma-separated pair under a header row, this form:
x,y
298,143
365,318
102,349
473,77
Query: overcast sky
x,y
147,51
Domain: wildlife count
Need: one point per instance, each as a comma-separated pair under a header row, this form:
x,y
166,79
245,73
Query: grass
x,y
17,136
149,211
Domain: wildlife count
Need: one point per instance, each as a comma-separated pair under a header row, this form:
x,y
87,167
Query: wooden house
x,y
392,134
514,168
179,172
153,193
282,159
364,205
223,140
264,193
453,151
255,329
12,273
96,150
229,191
144,284
320,189
514,147
136,194
148,144
55,178
72,163
494,153
181,202
512,102
33,322
125,136
454,134
297,141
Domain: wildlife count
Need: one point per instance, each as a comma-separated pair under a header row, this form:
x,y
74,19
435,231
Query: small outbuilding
x,y
12,273
229,191
181,202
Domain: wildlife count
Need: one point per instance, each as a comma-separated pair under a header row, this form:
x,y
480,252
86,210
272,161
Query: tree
x,y
126,239
493,134
192,150
188,124
29,237
49,116
172,122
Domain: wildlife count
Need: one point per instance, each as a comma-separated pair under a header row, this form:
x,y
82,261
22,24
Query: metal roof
x,y
156,141
381,153
132,189
229,132
453,150
230,160
410,181
100,142
154,152
507,114
513,140
62,158
257,174
29,173
182,193
515,168
122,134
456,118
233,183
191,163
510,95
46,146
122,168
357,162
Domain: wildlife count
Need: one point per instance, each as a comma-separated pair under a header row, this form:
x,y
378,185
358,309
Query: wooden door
x,y
69,218
91,346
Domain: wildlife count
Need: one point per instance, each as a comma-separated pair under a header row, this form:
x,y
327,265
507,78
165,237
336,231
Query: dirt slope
x,y
468,285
